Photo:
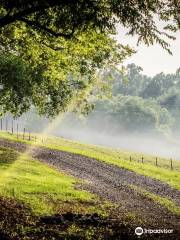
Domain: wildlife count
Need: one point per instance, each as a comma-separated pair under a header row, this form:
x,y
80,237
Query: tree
x,y
131,114
138,115
66,18
171,101
132,84
58,47
158,85
51,80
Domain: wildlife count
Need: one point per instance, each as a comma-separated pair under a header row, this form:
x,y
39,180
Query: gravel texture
x,y
112,183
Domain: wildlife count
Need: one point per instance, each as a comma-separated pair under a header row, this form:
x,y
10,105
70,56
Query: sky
x,y
153,59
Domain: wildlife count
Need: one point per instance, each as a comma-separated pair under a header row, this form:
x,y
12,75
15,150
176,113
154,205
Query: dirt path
x,y
112,183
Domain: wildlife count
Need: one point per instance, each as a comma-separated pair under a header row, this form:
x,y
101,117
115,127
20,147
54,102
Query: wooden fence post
x,y
17,131
1,124
12,127
130,159
24,131
29,136
171,164
6,124
156,161
142,159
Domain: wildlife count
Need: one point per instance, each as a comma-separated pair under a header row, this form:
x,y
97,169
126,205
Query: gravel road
x,y
112,183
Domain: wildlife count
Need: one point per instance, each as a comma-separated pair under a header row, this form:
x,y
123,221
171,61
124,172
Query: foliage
x,y
137,84
68,18
57,47
140,103
130,83
171,101
129,108
159,85
16,81
51,80
132,113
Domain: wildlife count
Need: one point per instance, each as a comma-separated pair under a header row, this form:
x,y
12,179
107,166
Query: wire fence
x,y
157,162
13,127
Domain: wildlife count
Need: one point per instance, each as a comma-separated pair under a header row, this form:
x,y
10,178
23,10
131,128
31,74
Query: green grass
x,y
121,159
49,191
116,157
165,202
37,184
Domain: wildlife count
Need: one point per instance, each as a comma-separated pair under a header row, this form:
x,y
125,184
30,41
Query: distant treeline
x,y
139,103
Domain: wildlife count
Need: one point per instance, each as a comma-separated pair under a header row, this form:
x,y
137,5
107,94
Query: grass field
x,y
167,203
36,184
30,189
162,172
47,191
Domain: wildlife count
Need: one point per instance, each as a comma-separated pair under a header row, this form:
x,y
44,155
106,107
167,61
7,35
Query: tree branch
x,y
10,19
48,30
52,47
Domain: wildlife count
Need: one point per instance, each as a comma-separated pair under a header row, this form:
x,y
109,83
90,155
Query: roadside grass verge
x,y
115,157
165,202
30,189
37,184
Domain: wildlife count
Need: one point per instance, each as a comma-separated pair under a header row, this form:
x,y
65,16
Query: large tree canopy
x,y
34,74
66,18
51,51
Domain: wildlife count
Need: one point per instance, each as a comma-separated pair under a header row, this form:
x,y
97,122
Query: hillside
x,y
89,184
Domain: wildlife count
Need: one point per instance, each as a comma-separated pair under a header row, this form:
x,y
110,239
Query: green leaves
x,y
60,47
16,81
67,19
51,79
54,50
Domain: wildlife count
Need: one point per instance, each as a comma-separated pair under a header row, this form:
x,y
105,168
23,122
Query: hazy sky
x,y
152,59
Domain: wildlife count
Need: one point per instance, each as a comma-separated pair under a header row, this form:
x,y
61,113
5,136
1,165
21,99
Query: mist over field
x,y
143,143
142,115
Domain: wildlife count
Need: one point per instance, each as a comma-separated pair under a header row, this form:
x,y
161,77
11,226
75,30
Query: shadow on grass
x,y
17,222
7,157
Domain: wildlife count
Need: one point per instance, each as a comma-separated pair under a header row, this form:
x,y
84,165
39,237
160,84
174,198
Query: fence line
x,y
30,137
15,129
